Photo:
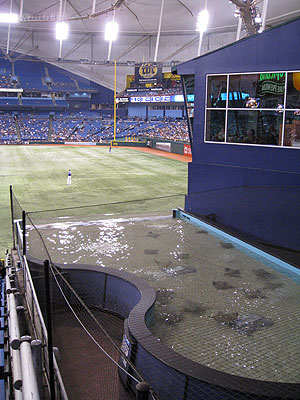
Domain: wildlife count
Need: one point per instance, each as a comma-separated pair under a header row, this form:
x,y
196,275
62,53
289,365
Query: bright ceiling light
x,y
9,18
62,30
111,31
202,21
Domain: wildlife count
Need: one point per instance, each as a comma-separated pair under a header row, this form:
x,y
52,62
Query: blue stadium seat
x,y
2,389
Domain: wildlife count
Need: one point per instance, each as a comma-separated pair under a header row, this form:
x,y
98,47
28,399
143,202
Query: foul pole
x,y
115,103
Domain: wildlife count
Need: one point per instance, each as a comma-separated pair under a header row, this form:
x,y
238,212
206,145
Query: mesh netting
x,y
217,329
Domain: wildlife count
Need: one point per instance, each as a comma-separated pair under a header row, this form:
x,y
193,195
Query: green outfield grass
x,y
38,175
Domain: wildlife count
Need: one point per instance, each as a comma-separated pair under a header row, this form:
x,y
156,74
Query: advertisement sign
x,y
152,99
187,151
148,73
163,146
81,143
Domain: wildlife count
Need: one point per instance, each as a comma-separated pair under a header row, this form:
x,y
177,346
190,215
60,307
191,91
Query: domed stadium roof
x,y
158,30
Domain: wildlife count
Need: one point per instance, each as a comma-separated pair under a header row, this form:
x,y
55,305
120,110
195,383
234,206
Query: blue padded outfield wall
x,y
251,189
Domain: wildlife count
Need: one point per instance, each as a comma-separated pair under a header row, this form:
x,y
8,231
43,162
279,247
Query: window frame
x,y
226,109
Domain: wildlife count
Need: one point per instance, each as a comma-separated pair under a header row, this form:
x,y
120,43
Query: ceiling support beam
x,y
94,7
159,28
239,28
133,46
22,40
264,14
21,9
78,45
184,47
8,33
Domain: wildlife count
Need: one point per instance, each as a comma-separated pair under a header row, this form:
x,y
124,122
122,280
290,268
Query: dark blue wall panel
x,y
270,212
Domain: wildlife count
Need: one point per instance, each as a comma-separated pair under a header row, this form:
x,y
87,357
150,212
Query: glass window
x,y
293,90
216,91
189,91
254,126
292,129
215,125
264,90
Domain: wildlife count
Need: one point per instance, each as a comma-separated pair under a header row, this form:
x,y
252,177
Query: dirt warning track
x,y
161,153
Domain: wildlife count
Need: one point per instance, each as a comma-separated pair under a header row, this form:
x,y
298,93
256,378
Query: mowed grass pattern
x,y
38,175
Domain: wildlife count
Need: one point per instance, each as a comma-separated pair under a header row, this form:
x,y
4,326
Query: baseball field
x,y
38,175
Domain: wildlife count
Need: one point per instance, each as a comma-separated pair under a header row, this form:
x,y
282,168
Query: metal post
x,y
159,28
94,7
109,50
21,10
29,382
60,49
115,101
200,43
24,232
8,33
239,28
49,329
36,348
14,331
142,391
264,14
12,215
16,369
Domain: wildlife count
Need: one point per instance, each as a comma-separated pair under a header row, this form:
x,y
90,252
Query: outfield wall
x,y
169,146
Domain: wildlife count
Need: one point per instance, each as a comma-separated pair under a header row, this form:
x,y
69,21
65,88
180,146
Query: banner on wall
x,y
187,151
148,73
163,146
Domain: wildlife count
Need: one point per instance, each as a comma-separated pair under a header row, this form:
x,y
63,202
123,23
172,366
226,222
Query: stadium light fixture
x,y
111,31
202,21
9,18
62,30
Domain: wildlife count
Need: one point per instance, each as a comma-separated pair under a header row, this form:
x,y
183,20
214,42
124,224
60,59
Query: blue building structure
x,y
245,134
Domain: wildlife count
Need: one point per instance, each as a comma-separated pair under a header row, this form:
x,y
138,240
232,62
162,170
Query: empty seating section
x,y
37,101
10,101
35,75
30,75
61,80
83,84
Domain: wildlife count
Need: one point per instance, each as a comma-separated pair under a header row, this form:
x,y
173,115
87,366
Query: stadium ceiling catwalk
x,y
148,31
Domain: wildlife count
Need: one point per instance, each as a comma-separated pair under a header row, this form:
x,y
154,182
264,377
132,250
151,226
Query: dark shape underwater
x,y
247,324
222,285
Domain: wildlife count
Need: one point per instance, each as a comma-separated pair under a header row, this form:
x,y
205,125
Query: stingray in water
x,y
225,317
163,264
262,273
194,307
273,285
202,232
226,245
183,256
150,251
247,324
222,285
254,294
234,273
153,235
178,270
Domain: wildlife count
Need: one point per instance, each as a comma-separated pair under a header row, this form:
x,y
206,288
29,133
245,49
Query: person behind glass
x,y
69,178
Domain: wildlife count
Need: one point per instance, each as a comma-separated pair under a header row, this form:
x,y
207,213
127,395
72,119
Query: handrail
x,y
43,330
